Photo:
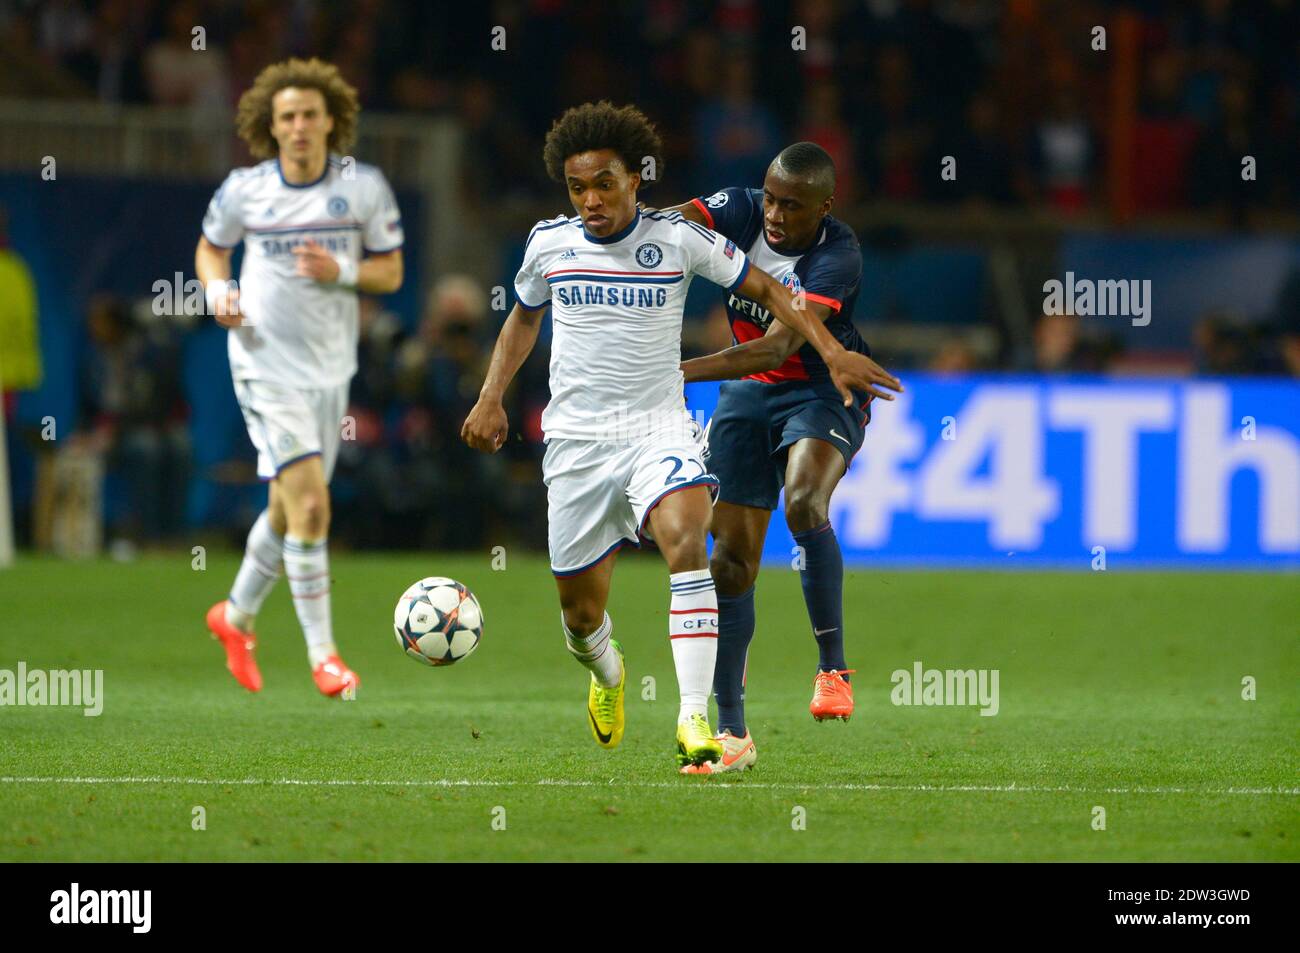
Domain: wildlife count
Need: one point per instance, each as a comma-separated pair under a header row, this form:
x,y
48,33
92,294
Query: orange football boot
x,y
832,695
334,678
239,647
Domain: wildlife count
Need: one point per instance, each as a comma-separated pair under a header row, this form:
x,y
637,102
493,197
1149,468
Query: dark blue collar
x,y
305,185
618,236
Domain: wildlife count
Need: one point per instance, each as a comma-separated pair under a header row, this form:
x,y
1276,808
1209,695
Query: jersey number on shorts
x,y
677,465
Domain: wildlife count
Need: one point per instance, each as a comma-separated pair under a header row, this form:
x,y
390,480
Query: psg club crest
x,y
791,281
716,200
648,254
337,206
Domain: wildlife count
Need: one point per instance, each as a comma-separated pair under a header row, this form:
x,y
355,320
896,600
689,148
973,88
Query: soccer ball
x,y
438,621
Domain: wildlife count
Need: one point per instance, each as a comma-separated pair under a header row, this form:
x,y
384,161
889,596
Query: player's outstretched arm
x,y
690,211
485,427
848,369
753,357
212,265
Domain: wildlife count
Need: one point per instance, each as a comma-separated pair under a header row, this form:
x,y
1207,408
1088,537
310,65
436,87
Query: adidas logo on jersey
x,y
569,255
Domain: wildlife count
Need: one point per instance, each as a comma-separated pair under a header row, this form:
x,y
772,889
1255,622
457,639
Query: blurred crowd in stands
x,y
887,86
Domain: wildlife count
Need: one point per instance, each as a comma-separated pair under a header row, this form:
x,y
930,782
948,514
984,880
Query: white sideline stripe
x,y
681,785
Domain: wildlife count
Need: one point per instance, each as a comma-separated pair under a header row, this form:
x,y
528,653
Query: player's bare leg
x,y
583,596
279,519
813,469
738,536
588,634
679,524
302,491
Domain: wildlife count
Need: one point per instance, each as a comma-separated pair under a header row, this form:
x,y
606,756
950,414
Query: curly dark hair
x,y
253,119
602,125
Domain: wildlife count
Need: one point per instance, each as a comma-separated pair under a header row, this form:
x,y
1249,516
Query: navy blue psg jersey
x,y
828,272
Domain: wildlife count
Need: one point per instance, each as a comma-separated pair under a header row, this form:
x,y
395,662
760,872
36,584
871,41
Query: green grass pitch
x,y
1119,689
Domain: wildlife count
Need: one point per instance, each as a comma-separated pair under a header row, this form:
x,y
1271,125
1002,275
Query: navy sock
x,y
735,631
823,592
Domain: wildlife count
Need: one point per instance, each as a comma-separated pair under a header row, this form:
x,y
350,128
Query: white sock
x,y
307,564
693,632
594,653
258,574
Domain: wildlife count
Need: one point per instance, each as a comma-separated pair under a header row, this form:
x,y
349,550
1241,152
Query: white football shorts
x,y
599,495
287,424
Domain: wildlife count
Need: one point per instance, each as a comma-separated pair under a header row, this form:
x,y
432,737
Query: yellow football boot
x,y
605,706
695,741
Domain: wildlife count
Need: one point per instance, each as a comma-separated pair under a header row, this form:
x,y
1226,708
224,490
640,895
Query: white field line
x,y
693,784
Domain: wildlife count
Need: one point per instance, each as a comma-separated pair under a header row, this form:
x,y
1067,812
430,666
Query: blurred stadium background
x,y
1173,442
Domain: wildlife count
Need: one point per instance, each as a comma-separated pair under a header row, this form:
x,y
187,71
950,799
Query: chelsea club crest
x,y
337,206
648,254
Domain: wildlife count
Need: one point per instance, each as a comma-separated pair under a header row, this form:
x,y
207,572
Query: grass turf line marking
x,y
739,784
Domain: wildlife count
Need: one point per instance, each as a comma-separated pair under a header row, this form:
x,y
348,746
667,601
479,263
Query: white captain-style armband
x,y
349,271
214,291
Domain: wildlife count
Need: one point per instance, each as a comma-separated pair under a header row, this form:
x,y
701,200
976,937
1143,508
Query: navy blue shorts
x,y
756,423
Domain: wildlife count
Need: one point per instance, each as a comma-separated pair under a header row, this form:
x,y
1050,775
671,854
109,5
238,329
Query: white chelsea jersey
x,y
616,307
300,333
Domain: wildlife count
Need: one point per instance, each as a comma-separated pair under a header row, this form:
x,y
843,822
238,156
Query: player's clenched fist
x,y
223,302
850,369
485,427
315,262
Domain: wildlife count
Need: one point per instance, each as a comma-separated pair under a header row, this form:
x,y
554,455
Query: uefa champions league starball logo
x,y
649,254
716,200
337,206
